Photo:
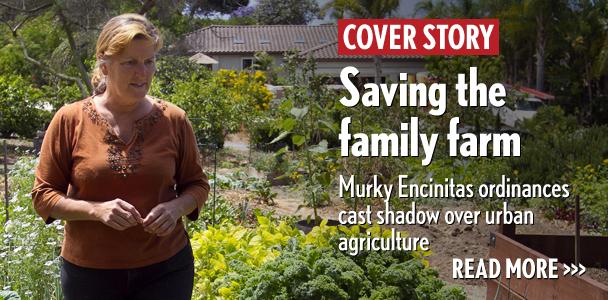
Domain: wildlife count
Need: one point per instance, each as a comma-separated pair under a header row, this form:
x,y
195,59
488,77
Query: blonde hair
x,y
116,34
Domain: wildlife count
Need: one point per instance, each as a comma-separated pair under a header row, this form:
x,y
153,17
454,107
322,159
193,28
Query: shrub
x,y
224,212
227,248
262,191
173,69
20,107
591,184
323,272
556,146
278,262
220,105
29,249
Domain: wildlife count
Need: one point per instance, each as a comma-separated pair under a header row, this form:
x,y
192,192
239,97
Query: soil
x,y
447,241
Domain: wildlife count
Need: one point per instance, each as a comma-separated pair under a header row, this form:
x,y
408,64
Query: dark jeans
x,y
170,279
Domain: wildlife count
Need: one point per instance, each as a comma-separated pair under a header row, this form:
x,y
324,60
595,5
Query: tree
x,y
79,21
582,76
432,9
17,13
206,7
285,12
368,9
448,9
14,17
545,17
517,29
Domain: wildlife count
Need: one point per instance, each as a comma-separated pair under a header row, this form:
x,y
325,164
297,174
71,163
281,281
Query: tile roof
x,y
253,38
203,59
329,51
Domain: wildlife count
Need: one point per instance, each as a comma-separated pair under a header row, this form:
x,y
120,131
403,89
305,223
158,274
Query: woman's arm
x,y
190,178
192,186
117,213
162,218
53,172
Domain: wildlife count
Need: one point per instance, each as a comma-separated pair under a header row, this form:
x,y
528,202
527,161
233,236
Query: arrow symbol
x,y
567,269
573,269
582,271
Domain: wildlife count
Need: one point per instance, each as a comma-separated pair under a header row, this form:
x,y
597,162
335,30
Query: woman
x,y
122,168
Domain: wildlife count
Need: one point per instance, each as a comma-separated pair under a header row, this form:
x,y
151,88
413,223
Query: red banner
x,y
418,37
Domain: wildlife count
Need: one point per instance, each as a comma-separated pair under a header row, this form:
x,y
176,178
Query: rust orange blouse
x,y
82,158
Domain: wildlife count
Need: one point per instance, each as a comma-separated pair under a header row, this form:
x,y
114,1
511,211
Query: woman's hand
x,y
118,214
162,219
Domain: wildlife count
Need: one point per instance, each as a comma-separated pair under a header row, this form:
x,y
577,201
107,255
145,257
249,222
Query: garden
x,y
274,161
268,228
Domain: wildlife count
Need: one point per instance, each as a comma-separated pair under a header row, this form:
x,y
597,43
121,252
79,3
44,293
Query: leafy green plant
x,y
262,191
270,164
265,62
490,70
9,295
234,180
275,261
173,69
556,145
315,163
20,107
219,105
590,183
224,212
325,273
58,95
29,248
227,248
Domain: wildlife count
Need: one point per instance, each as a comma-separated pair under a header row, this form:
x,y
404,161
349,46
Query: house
x,y
233,47
527,102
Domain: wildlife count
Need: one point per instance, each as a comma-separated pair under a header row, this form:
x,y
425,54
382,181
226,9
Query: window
x,y
247,63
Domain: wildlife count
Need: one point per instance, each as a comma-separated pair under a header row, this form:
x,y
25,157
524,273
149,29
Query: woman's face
x,y
129,74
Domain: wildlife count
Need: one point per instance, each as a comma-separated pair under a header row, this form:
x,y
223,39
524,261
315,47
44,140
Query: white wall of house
x,y
390,68
235,61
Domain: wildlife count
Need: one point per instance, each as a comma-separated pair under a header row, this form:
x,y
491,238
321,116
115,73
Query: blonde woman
x,y
122,168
